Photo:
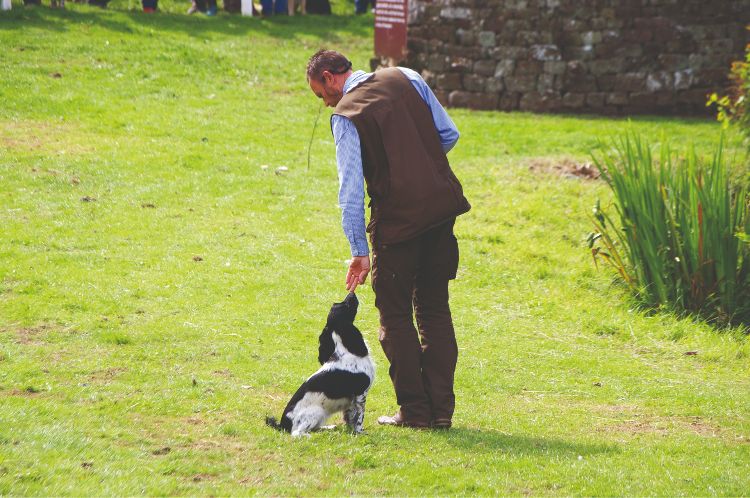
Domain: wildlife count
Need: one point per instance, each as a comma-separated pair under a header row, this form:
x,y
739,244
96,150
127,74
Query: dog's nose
x,y
351,299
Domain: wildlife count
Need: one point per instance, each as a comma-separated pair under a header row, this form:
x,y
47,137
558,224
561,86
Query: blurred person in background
x,y
271,7
360,6
208,7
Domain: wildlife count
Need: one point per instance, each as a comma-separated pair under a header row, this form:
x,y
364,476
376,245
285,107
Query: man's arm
x,y
351,184
443,123
351,198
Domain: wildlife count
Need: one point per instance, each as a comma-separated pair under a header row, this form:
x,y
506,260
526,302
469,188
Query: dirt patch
x,y
106,375
28,135
32,336
665,426
29,392
567,168
195,421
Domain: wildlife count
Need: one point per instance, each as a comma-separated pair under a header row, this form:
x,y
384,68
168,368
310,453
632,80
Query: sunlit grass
x,y
161,292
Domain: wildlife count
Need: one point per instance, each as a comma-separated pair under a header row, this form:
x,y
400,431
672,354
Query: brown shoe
x,y
398,421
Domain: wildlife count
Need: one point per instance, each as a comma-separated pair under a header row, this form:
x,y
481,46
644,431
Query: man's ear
x,y
327,77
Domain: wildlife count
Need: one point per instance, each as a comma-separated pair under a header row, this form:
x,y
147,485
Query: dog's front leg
x,y
354,416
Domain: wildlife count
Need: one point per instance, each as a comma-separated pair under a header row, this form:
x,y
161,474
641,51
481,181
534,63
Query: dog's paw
x,y
327,427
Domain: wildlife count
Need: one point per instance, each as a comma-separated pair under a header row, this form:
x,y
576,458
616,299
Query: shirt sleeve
x,y
443,123
351,183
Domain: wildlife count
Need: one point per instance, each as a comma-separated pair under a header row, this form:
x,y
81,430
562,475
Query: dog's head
x,y
345,311
341,322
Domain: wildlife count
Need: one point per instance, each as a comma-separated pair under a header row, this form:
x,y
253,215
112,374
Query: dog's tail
x,y
271,422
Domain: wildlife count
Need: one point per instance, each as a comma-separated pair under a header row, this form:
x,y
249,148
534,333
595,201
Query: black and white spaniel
x,y
341,383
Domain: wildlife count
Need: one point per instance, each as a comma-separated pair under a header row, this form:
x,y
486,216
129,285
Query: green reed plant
x,y
680,240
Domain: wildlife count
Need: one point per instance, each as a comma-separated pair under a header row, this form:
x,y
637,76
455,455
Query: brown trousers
x,y
411,279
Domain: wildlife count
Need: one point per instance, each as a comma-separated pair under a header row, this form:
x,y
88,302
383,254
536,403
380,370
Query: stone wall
x,y
593,56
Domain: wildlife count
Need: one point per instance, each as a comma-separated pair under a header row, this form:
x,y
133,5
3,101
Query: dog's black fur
x,y
341,383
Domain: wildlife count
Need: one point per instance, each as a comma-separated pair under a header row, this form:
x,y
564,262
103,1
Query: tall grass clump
x,y
681,241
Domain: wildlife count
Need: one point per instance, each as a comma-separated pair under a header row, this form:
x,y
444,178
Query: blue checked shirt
x,y
349,157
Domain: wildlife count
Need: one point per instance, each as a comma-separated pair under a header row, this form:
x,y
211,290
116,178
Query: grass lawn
x,y
161,292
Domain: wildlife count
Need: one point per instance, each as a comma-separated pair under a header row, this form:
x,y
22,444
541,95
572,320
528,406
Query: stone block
x,y
637,35
632,82
509,52
546,82
458,98
461,64
607,82
555,67
591,37
545,52
455,13
595,99
584,52
449,81
429,77
528,67
505,68
694,96
486,38
459,51
599,23
508,101
494,22
465,37
437,63
483,101
532,102
442,34
617,98
684,79
643,101
485,67
521,84
573,100
710,78
494,85
629,50
718,46
606,66
582,83
473,83
530,37
659,80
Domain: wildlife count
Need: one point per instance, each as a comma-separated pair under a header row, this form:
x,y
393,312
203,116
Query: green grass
x,y
129,367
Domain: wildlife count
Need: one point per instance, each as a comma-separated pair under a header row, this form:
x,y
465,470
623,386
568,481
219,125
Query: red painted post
x,y
390,30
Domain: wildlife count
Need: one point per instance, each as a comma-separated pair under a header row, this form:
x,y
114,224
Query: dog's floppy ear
x,y
326,346
352,339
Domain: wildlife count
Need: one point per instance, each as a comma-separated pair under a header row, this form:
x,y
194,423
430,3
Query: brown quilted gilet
x,y
410,183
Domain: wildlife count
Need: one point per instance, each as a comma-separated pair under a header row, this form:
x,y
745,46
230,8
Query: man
x,y
391,132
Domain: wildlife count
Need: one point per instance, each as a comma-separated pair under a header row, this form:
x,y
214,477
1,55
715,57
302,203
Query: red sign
x,y
390,29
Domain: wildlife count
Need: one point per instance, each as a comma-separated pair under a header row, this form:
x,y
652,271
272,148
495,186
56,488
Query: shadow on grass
x,y
329,28
494,441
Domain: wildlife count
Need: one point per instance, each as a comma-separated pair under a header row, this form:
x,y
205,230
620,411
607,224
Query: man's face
x,y
328,89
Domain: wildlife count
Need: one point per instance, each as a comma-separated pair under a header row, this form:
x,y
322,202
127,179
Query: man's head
x,y
327,71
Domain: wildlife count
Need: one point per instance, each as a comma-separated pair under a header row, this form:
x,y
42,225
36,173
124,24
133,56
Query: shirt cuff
x,y
358,244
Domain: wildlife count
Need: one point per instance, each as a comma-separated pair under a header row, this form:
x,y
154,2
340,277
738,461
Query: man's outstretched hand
x,y
358,270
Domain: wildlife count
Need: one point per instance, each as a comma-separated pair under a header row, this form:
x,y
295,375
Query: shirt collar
x,y
355,79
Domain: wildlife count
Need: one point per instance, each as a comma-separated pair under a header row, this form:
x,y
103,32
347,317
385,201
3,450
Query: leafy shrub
x,y
735,107
682,239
